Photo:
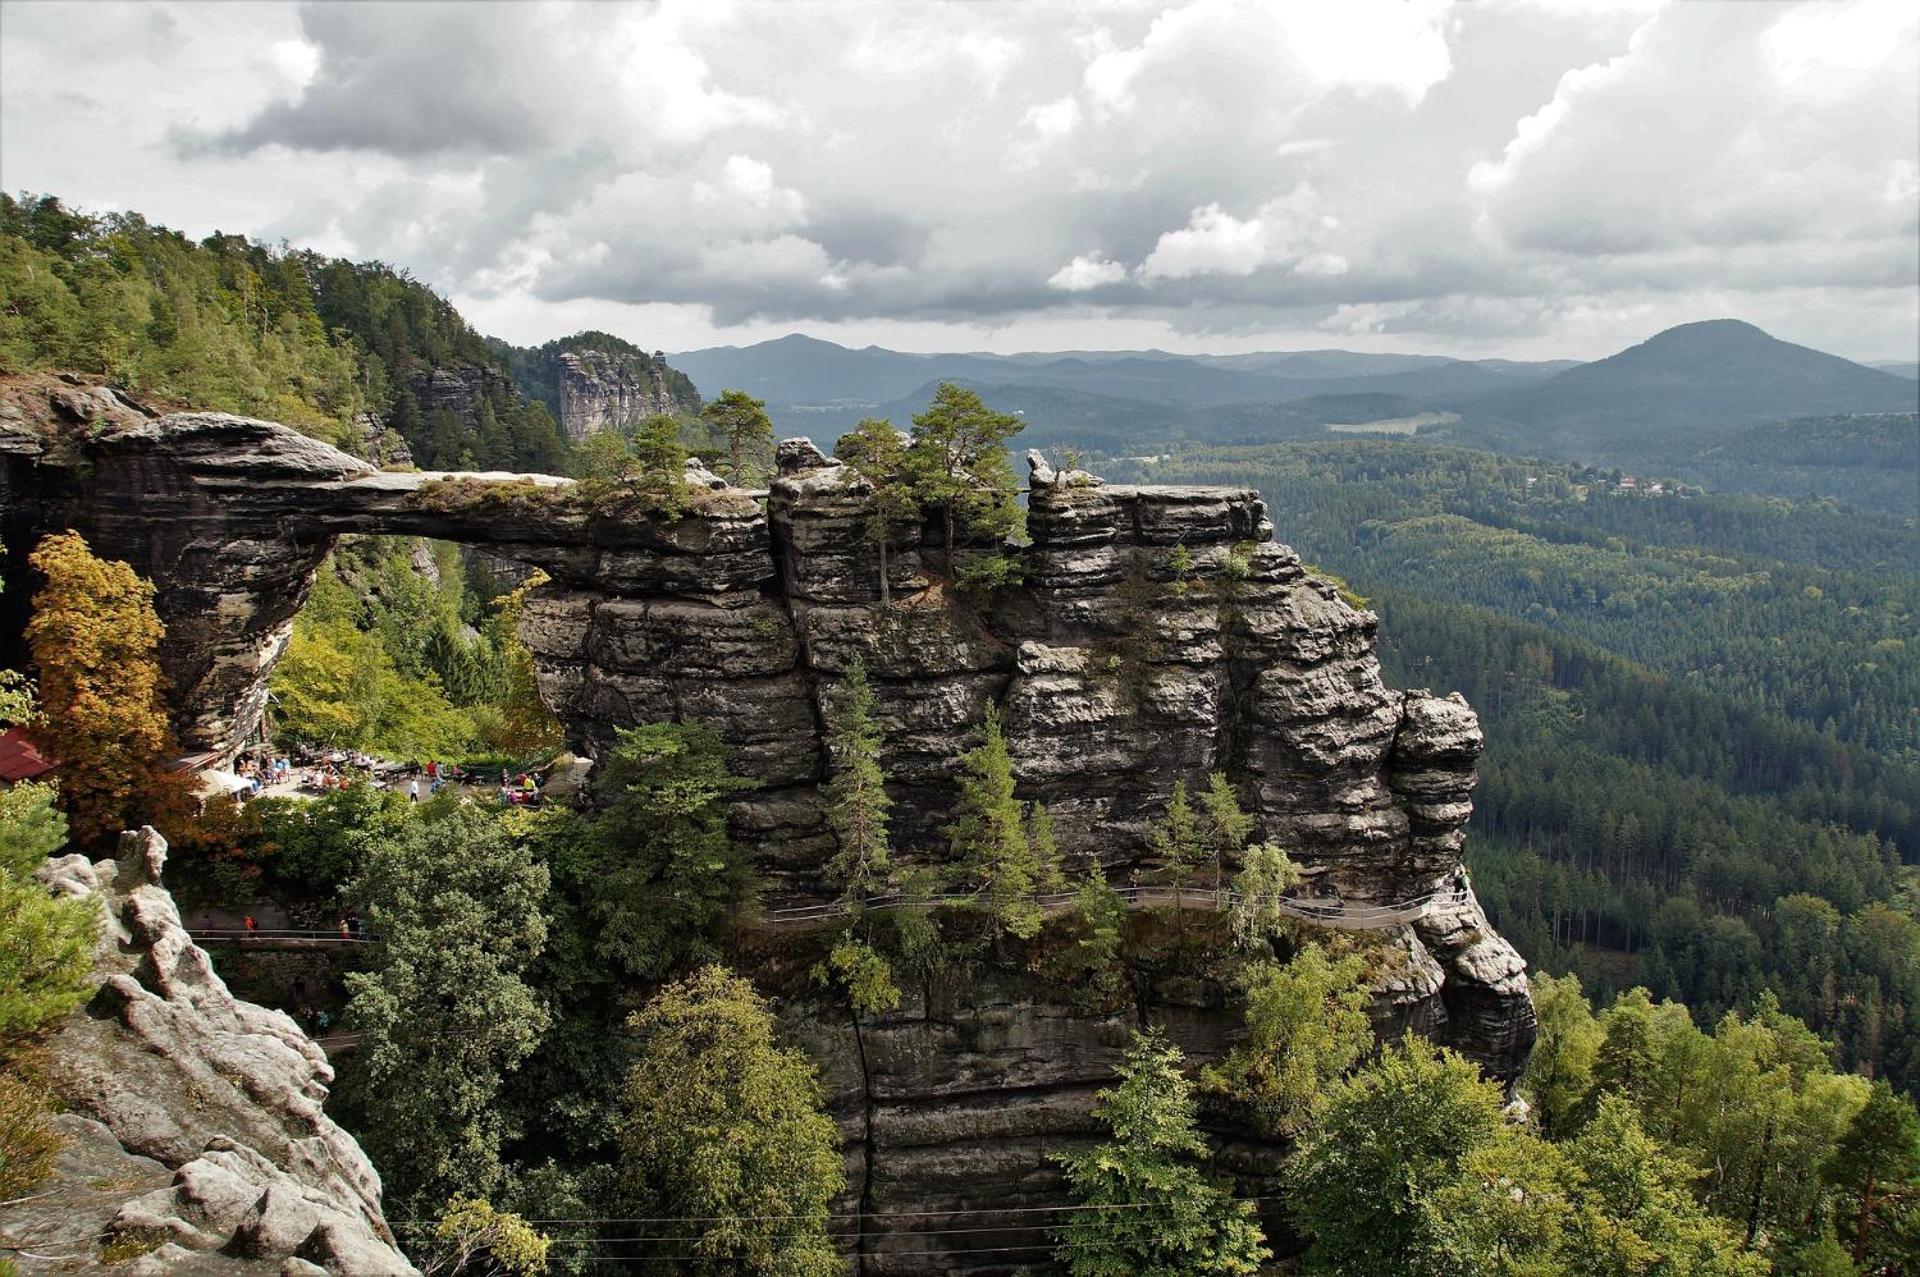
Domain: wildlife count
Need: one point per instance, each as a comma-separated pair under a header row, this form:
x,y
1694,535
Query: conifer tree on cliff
x,y
959,464
878,454
857,802
989,834
1149,1208
743,422
103,716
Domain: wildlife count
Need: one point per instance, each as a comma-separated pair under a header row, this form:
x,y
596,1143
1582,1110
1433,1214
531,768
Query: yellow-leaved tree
x,y
103,716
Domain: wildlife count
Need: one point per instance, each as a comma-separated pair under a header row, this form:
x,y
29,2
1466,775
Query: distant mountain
x,y
808,383
1719,372
1898,367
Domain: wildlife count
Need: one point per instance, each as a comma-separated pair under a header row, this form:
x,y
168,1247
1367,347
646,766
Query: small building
x,y
20,758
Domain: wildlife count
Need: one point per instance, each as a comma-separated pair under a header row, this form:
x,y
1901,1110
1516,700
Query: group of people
x,y
523,793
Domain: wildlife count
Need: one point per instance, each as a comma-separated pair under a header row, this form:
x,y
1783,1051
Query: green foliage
x,y
1382,1144
472,1239
1176,838
1876,1164
1306,1026
29,1142
1090,960
1227,827
856,796
654,873
958,462
1175,1221
864,973
46,945
93,634
746,431
314,847
647,469
445,1010
878,453
1560,1070
991,850
723,1129
1267,874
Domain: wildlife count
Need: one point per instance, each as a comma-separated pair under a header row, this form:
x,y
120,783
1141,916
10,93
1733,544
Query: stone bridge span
x,y
1157,633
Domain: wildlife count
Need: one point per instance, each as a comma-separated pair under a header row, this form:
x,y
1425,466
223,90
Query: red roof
x,y
20,759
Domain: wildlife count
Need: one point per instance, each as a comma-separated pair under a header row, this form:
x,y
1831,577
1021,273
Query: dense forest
x,y
228,324
1702,714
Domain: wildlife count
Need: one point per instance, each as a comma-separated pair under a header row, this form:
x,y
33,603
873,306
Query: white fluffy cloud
x,y
1504,175
1284,232
1086,272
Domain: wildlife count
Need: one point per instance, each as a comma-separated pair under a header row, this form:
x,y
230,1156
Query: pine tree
x,y
1150,1210
857,801
742,423
879,455
960,467
989,836
1227,827
1877,1159
1176,839
93,634
46,945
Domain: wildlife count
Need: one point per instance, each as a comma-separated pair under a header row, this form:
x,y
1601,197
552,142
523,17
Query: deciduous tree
x,y
457,907
724,1131
103,714
1306,1026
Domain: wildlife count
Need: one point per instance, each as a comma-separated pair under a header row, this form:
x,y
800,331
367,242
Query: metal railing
x,y
1361,916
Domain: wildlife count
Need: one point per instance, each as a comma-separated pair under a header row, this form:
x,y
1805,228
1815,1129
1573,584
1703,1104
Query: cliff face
x,y
193,1121
601,390
1158,633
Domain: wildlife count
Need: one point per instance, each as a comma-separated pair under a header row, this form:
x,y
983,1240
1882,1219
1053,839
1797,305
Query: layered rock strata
x,y
1156,633
194,1122
604,390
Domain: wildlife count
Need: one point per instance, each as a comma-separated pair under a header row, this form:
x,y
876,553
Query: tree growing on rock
x,y
46,945
1267,874
93,634
650,469
878,454
959,464
1150,1209
857,801
457,905
1306,1026
992,851
1227,827
1175,837
742,423
724,1129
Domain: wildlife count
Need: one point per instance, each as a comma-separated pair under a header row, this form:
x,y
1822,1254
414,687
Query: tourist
x,y
413,790
250,924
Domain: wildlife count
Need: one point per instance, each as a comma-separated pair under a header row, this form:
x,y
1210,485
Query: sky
x,y
1521,178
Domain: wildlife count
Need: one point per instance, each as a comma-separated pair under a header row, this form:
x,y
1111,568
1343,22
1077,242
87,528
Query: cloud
x,y
1204,171
1285,232
1086,272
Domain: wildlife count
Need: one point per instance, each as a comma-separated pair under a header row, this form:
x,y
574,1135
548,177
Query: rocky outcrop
x,y
605,390
194,1122
1154,634
459,389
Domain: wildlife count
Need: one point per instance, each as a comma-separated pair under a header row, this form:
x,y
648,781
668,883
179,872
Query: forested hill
x,y
1702,712
343,350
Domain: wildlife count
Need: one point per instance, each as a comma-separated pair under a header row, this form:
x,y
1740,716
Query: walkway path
x,y
1357,916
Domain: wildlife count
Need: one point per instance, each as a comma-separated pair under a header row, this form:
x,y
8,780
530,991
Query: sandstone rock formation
x,y
1157,633
194,1121
602,390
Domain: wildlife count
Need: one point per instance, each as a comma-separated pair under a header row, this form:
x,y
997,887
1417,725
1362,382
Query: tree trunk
x,y
1864,1224
886,589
